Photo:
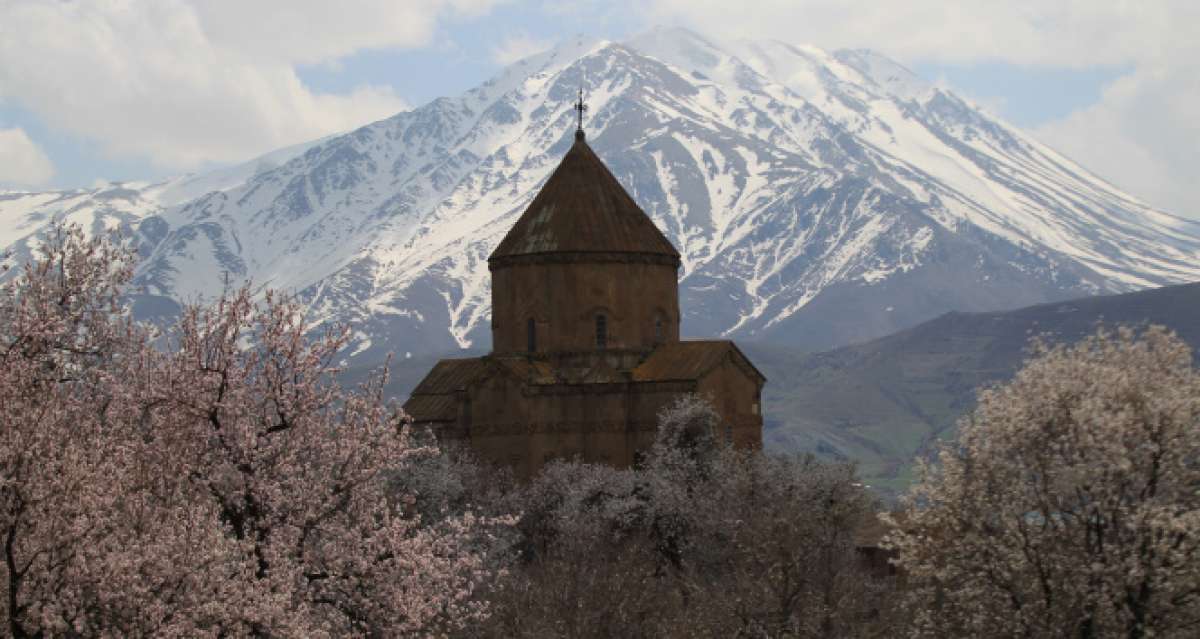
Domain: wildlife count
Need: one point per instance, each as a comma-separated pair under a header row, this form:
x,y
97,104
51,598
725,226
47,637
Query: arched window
x,y
531,335
601,331
658,328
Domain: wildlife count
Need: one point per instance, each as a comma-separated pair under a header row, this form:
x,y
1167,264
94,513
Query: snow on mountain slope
x,y
815,197
118,206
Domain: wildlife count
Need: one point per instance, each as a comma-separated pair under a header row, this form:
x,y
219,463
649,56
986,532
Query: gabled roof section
x,y
435,399
583,209
449,376
692,360
432,408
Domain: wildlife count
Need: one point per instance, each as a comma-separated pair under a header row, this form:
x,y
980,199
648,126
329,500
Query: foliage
x,y
1070,506
214,479
224,484
701,540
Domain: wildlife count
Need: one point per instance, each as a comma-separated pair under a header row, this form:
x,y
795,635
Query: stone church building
x,y
585,338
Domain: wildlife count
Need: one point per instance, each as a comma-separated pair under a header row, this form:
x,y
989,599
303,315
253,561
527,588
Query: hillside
x,y
884,401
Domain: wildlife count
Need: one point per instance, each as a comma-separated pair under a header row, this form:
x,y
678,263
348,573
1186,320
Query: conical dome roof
x,y
583,209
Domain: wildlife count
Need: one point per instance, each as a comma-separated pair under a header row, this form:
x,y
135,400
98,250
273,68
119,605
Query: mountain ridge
x,y
884,402
816,198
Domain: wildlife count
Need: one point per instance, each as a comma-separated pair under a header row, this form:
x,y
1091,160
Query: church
x,y
585,338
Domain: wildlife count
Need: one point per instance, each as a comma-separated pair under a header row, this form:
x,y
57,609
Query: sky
x,y
101,90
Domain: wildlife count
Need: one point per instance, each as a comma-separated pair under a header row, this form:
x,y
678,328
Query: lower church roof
x,y
432,408
435,398
689,360
450,375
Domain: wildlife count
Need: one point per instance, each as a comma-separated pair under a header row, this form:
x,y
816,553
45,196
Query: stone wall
x,y
639,298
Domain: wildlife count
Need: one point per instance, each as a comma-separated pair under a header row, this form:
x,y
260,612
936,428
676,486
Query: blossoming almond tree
x,y
224,484
81,549
700,540
1070,505
297,470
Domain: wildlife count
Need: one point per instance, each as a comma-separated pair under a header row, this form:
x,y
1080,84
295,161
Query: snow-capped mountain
x,y
816,198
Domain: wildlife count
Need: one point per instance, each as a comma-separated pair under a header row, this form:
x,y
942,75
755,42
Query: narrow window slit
x,y
601,331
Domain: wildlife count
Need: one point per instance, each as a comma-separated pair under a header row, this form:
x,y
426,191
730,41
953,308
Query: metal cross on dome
x,y
580,107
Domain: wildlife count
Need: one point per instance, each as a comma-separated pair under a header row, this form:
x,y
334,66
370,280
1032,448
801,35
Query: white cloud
x,y
1062,33
312,31
516,47
183,82
22,162
1141,135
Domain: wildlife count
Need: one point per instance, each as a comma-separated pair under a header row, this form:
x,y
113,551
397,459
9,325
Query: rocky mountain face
x,y
816,198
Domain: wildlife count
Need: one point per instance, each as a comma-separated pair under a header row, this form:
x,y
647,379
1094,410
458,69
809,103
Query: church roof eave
x,y
585,256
